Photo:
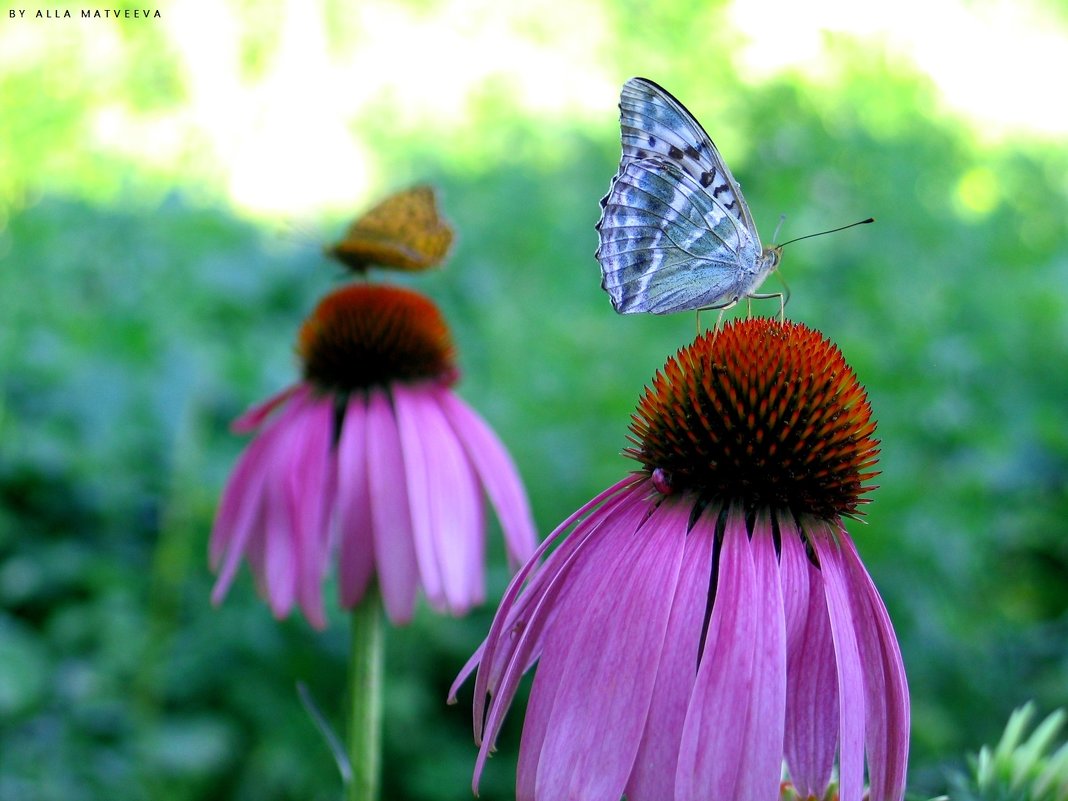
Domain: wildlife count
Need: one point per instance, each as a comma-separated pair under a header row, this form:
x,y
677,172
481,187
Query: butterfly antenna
x,y
833,230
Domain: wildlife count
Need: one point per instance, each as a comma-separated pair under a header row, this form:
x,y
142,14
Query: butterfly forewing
x,y
653,122
675,232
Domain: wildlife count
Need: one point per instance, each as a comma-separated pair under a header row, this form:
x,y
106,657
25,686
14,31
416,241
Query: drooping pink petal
x,y
253,417
618,605
356,558
794,571
394,544
280,571
531,617
514,638
887,689
417,480
732,739
764,741
812,718
240,512
241,497
453,500
851,692
498,474
270,548
310,485
653,777
621,512
519,595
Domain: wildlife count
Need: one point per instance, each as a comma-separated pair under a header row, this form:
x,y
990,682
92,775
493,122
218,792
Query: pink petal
x,y
732,739
794,569
607,639
253,417
887,689
356,553
280,572
629,505
535,614
812,689
514,639
240,512
394,545
847,654
653,777
417,479
498,474
453,503
313,483
270,549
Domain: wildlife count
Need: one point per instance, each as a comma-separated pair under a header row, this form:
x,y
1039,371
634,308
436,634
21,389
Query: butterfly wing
x,y
675,231
667,245
405,231
654,123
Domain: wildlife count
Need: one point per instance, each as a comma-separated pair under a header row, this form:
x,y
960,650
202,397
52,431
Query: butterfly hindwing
x,y
666,245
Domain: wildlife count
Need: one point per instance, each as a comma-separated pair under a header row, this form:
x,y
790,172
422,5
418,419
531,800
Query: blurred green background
x,y
166,185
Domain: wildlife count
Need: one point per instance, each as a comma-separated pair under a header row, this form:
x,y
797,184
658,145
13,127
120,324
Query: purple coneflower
x,y
374,457
708,617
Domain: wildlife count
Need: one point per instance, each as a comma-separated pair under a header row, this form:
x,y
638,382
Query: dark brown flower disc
x,y
367,335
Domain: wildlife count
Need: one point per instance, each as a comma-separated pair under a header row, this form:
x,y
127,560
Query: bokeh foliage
x,y
140,313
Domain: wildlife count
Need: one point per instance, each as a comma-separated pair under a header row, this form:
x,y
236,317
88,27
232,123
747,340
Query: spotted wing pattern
x,y
405,231
675,232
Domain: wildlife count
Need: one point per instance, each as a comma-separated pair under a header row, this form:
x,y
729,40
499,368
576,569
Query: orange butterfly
x,y
404,231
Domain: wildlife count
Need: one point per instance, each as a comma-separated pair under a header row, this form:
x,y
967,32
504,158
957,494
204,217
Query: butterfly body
x,y
675,232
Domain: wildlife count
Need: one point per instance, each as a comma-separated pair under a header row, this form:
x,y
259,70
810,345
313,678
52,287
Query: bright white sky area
x,y
282,136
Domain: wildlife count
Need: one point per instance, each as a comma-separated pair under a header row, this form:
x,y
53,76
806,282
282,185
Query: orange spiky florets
x,y
763,412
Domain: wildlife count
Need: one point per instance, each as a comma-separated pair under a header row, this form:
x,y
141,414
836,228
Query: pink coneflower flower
x,y
374,458
708,617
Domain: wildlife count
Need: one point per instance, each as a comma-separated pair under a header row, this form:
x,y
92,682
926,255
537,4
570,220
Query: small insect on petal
x,y
662,481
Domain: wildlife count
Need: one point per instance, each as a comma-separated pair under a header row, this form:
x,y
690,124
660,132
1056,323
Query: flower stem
x,y
365,698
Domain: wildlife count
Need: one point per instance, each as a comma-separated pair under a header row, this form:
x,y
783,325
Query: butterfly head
x,y
770,258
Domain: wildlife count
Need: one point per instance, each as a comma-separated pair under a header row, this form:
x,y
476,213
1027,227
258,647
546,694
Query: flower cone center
x,y
367,335
763,412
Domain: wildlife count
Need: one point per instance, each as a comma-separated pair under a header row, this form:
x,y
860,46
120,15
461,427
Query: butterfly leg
x,y
719,318
768,296
783,297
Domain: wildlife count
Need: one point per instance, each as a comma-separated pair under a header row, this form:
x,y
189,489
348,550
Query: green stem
x,y
365,698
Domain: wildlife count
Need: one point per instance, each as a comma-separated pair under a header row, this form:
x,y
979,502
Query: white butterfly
x,y
675,232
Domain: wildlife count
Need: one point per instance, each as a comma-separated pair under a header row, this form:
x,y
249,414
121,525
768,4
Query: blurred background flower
x,y
165,190
372,457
